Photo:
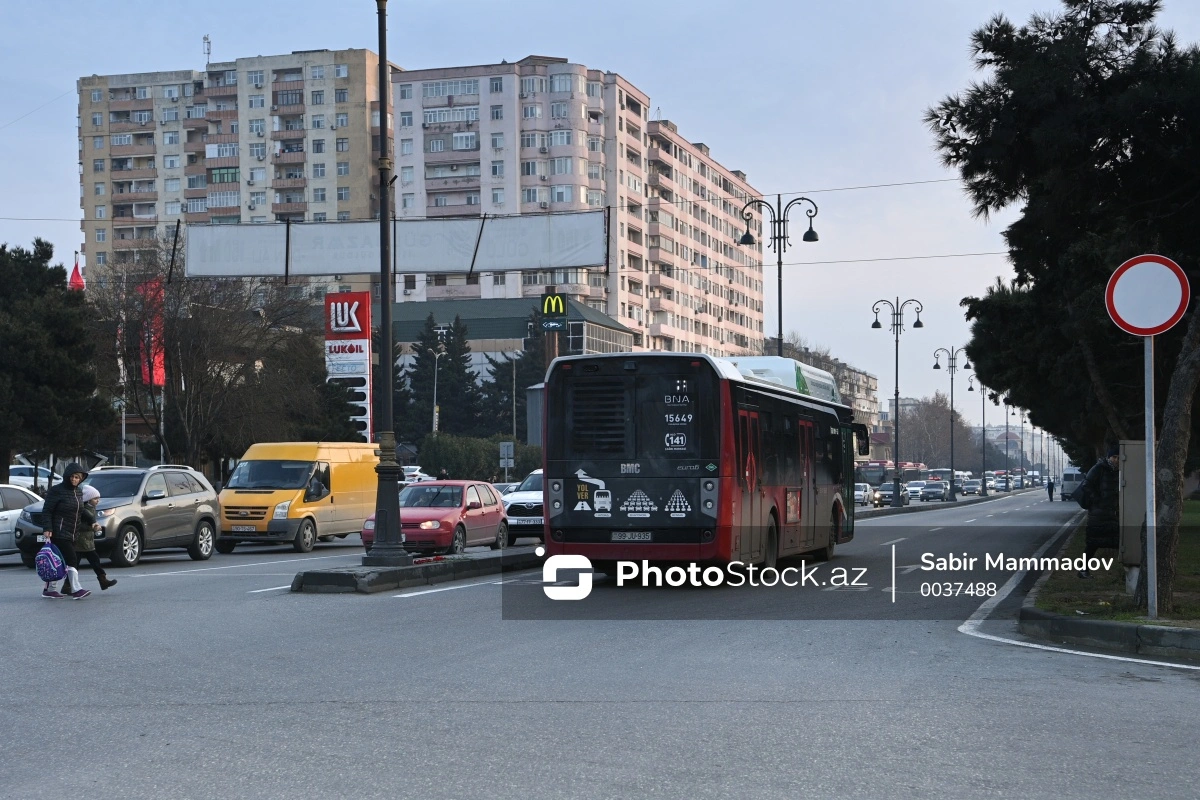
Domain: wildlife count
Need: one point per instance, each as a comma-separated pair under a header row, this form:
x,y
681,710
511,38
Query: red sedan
x,y
447,517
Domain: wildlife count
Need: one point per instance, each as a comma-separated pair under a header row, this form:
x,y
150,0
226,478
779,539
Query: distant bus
x,y
939,474
875,473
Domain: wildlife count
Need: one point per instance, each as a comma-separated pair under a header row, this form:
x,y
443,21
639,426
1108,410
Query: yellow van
x,y
298,492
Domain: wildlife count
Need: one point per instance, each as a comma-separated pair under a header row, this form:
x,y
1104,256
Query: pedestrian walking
x,y
63,510
1099,494
1050,489
85,543
443,475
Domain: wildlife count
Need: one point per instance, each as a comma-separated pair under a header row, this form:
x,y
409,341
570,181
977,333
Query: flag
x,y
153,358
76,280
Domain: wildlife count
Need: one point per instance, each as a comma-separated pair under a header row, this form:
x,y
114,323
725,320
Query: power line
x,y
39,108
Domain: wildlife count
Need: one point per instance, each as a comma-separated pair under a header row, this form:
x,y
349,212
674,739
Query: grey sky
x,y
804,96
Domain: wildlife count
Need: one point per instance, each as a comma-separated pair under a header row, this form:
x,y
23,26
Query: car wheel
x,y
501,536
458,543
225,546
29,559
127,550
512,538
306,537
201,548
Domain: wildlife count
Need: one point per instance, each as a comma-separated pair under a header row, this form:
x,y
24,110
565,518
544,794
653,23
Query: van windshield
x,y
270,475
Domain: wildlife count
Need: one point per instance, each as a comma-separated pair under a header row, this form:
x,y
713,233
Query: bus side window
x,y
769,468
743,439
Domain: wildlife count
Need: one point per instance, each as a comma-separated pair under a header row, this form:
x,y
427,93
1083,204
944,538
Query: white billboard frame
x,y
436,246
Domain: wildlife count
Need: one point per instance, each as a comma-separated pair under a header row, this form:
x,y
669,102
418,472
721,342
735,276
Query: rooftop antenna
x,y
207,50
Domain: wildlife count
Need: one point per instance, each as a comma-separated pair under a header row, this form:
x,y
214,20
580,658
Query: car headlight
x,y
26,517
105,513
369,525
430,524
281,510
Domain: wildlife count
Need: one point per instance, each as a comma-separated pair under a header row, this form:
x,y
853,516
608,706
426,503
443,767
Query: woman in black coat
x,y
64,520
1101,497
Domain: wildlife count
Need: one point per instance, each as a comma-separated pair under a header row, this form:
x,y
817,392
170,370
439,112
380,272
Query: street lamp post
x,y
897,327
1007,470
1024,472
387,550
951,367
437,355
779,237
982,434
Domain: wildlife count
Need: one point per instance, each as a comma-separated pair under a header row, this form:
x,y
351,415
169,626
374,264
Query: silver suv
x,y
144,509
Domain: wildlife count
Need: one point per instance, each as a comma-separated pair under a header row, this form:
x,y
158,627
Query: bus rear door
x,y
750,533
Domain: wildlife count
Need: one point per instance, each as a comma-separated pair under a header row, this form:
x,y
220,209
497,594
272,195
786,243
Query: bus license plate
x,y
244,529
630,536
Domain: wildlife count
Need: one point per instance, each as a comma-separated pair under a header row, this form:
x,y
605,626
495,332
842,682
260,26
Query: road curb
x,y
1124,637
369,580
872,513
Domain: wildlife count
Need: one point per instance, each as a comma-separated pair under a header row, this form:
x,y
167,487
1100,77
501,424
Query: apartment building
x,y
542,135
258,139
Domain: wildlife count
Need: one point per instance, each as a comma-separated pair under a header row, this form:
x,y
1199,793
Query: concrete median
x,y
368,580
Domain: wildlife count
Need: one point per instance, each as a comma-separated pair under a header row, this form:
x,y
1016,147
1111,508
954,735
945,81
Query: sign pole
x,y
1151,500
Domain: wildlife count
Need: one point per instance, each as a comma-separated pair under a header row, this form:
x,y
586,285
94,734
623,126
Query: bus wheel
x,y
826,552
771,554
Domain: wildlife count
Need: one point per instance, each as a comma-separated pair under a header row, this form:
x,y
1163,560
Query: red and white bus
x,y
682,457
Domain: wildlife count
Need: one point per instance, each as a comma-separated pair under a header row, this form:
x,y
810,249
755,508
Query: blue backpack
x,y
50,564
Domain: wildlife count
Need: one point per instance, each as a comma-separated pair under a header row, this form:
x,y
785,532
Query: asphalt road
x,y
211,680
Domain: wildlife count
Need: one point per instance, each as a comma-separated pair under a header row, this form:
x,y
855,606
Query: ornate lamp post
x,y
951,367
779,237
437,356
897,327
387,550
982,434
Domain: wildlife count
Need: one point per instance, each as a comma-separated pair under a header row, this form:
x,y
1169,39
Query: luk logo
x,y
343,317
550,576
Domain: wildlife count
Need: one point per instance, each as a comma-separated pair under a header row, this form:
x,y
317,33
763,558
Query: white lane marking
x,y
931,530
991,515
971,626
251,564
451,588
272,589
972,520
893,573
894,541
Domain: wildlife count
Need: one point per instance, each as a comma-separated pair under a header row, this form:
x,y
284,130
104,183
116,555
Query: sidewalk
x,y
913,507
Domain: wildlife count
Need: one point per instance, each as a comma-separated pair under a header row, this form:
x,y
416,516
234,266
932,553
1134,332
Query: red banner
x,y
75,282
153,356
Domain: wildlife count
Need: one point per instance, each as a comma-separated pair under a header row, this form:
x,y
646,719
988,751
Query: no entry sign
x,y
1147,295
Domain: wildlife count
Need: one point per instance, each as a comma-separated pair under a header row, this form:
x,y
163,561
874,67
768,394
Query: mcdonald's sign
x,y
554,312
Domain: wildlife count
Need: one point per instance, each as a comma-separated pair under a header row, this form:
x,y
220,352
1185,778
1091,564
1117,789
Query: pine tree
x,y
458,387
418,380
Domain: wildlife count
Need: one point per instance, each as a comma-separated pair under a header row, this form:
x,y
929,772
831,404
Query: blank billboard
x,y
537,241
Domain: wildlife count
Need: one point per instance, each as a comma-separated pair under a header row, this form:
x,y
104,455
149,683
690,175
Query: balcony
x,y
131,126
229,90
196,169
225,113
453,156
193,146
134,197
288,208
217,163
287,86
132,150
143,243
297,133
195,194
195,122
461,210
298,157
661,279
661,254
449,184
197,216
655,153
284,111
133,174
660,179
289,183
131,104
661,304
220,138
450,100
661,329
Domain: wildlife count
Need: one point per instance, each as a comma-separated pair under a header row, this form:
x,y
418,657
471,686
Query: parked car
x,y
505,488
447,517
914,489
862,493
13,500
884,494
414,474
935,490
990,483
972,486
140,509
524,508
36,478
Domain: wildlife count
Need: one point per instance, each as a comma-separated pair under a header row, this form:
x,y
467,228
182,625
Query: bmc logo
x,y
550,577
343,317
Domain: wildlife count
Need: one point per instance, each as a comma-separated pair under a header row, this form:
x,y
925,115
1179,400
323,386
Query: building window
x,y
558,111
290,97
595,144
406,147
465,141
317,73
341,95
226,175
258,173
97,142
531,111
255,78
593,170
341,120
498,140
498,197
530,168
95,95
318,145
98,165
560,138
440,280
343,216
343,193
319,216
101,258
497,112
454,114
197,205
258,198
437,145
496,84
533,195
343,145
472,198
173,208
497,169
170,114
198,181
410,282
171,184
561,194
404,91
257,101
318,169
101,234
101,212
170,162
595,198
257,126
343,168
97,120
498,278
406,119
318,195
594,88
318,120
440,201
171,92
258,150
560,166
406,175
171,137
533,83
447,88
407,200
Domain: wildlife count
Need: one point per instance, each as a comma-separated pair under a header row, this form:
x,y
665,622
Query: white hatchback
x,y
862,493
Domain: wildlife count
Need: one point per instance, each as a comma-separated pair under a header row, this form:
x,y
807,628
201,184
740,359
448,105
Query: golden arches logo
x,y
552,304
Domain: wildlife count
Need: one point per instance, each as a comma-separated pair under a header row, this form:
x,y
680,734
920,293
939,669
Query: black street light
x,y
779,236
897,328
951,367
1007,471
982,434
387,550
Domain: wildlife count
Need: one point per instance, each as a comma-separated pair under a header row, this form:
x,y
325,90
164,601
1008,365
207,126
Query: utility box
x,y
535,413
1133,500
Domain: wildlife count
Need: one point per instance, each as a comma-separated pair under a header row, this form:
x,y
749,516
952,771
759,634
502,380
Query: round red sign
x,y
1147,295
